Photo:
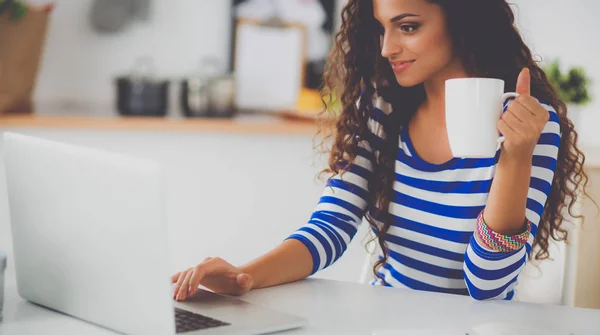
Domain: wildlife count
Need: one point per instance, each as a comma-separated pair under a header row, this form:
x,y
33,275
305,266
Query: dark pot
x,y
142,97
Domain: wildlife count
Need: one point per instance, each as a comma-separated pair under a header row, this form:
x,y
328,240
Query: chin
x,y
407,82
409,78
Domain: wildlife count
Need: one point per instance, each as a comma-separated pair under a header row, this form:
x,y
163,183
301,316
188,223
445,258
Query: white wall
x,y
79,64
567,30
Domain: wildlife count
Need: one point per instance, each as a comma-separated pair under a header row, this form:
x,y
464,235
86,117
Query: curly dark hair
x,y
485,37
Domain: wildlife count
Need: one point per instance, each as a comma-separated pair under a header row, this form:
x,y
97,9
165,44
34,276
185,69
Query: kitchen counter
x,y
263,124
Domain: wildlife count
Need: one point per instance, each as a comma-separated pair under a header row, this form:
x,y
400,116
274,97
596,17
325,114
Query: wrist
x,y
503,241
512,160
249,270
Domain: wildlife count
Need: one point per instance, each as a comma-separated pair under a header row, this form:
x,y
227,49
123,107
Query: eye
x,y
409,28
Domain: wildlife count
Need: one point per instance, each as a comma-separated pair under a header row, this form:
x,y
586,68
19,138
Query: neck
x,y
435,89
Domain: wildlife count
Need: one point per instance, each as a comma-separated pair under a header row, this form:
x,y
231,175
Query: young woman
x,y
444,224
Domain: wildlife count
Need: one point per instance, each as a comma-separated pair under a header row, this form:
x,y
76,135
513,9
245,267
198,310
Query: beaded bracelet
x,y
501,242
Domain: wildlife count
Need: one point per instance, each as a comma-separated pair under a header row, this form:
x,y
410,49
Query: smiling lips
x,y
399,66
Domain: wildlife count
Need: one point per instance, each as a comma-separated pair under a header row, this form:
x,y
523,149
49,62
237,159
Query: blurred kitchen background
x,y
92,43
233,106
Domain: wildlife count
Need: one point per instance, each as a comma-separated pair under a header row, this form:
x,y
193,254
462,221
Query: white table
x,y
334,307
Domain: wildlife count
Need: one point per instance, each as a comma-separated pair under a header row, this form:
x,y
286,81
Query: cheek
x,y
444,45
433,47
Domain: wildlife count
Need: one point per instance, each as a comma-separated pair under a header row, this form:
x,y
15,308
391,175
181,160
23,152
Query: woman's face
x,y
414,39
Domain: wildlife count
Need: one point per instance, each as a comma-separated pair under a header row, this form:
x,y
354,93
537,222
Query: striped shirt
x,y
434,211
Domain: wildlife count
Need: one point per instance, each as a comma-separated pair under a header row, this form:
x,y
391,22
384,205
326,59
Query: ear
x,y
524,82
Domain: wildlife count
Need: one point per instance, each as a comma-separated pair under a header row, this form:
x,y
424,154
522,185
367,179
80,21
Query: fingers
x,y
524,82
529,106
514,112
528,116
533,107
516,122
522,134
179,284
530,112
505,129
214,274
198,274
194,276
185,286
175,277
197,277
524,106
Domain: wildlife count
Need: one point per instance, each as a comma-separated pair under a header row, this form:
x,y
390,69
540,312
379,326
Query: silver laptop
x,y
90,241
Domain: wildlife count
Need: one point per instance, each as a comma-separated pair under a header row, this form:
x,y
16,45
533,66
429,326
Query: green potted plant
x,y
572,87
16,9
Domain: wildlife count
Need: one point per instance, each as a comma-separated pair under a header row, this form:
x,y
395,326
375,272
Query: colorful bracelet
x,y
500,242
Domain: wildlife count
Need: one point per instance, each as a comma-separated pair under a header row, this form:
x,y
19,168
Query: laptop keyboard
x,y
186,321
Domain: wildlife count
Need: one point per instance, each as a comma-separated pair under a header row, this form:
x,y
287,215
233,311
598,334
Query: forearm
x,y
519,191
507,202
491,274
288,262
325,237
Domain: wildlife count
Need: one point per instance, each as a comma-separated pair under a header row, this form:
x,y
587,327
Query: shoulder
x,y
553,113
381,105
553,125
380,112
549,140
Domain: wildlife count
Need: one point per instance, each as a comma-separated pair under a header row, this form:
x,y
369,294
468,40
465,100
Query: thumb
x,y
524,82
245,281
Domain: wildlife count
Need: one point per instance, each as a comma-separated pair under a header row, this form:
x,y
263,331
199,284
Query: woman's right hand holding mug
x,y
215,274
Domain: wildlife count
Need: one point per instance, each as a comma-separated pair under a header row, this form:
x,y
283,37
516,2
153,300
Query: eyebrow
x,y
402,16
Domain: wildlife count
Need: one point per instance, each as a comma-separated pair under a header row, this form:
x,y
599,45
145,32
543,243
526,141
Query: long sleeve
x,y
343,203
491,274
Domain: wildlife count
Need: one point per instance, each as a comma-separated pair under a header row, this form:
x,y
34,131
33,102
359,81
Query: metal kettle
x,y
208,93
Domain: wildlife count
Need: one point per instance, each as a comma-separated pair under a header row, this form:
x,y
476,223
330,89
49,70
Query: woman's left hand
x,y
523,122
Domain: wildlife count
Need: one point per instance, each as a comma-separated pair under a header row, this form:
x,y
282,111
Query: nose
x,y
388,47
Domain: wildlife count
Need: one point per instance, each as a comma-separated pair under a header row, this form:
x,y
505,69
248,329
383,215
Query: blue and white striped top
x,y
434,210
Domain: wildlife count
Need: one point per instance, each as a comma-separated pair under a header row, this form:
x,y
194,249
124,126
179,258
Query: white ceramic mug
x,y
473,107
